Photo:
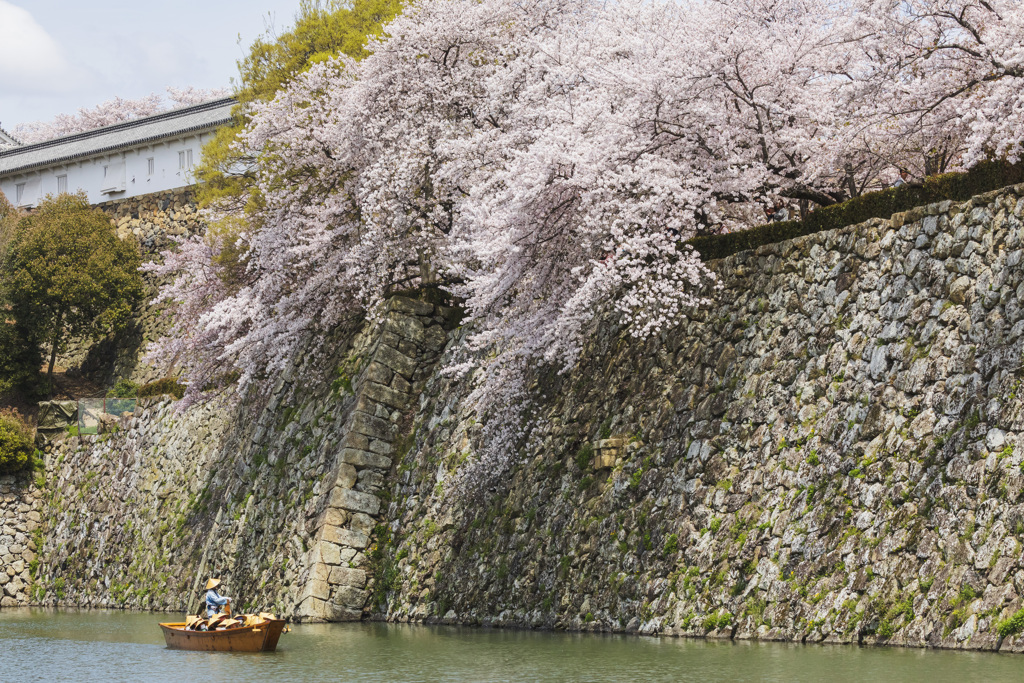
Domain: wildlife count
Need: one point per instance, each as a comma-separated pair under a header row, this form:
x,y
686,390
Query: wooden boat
x,y
260,637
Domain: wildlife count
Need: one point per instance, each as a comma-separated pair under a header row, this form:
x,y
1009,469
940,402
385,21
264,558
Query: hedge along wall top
x,y
984,177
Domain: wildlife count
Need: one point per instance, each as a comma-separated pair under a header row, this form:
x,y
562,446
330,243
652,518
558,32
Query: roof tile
x,y
118,136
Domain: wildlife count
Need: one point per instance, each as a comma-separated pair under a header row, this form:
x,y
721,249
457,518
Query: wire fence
x,y
93,412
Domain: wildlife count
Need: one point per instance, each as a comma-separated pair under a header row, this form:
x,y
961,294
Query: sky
x,y
59,55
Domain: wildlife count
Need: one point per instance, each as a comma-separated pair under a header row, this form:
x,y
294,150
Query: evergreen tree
x,y
66,274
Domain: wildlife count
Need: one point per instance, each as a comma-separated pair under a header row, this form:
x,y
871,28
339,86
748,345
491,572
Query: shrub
x,y
160,387
672,544
984,177
125,388
714,622
1011,626
584,456
16,444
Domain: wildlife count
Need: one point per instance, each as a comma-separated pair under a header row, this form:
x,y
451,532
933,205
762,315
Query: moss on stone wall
x,y
829,453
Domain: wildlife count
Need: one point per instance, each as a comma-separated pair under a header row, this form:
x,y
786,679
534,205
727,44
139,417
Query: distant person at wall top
x,y
214,600
903,179
777,212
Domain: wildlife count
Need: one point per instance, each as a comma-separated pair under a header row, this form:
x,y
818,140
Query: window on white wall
x,y
185,159
181,160
28,192
150,166
62,184
113,178
188,157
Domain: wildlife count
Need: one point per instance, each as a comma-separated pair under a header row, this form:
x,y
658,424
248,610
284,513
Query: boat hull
x,y
259,638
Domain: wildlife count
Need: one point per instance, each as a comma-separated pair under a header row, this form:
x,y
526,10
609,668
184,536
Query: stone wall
x,y
278,498
830,452
19,538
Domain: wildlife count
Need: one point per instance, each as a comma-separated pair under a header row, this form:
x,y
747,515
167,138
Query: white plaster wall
x,y
87,173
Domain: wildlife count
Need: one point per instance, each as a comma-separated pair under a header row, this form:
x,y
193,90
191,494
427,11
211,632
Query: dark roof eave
x,y
125,125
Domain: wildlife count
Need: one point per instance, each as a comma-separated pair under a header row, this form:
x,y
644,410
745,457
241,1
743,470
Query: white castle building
x,y
138,157
7,140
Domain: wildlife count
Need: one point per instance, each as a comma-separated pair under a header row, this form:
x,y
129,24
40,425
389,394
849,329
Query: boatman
x,y
214,600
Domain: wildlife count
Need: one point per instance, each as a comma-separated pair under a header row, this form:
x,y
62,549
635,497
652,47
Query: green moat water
x,y
99,645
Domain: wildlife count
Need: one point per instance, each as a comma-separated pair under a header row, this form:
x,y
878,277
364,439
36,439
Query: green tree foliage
x,y
16,446
8,220
19,361
323,29
125,388
67,274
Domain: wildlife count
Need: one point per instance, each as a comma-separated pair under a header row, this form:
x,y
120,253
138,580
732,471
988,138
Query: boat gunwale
x,y
267,631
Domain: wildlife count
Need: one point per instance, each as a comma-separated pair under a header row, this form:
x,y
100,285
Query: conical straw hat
x,y
212,583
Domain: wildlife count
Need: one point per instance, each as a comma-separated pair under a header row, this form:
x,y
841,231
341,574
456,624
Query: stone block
x,y
614,442
358,441
399,383
400,363
995,439
404,326
380,374
354,501
362,522
363,459
373,427
314,609
345,614
604,462
343,576
318,571
329,552
434,338
386,395
381,448
319,589
346,476
336,517
960,289
353,598
401,304
346,537
371,478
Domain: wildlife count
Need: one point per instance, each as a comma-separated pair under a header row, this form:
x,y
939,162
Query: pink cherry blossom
x,y
116,110
545,161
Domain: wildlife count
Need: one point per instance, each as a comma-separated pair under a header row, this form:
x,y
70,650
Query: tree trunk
x,y
57,334
851,183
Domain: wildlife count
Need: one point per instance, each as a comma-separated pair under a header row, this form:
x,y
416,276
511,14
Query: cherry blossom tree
x,y
545,161
939,81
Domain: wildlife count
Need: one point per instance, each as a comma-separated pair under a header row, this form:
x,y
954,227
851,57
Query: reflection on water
x,y
110,645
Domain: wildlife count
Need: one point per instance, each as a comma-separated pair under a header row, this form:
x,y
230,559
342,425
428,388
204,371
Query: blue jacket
x,y
214,601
